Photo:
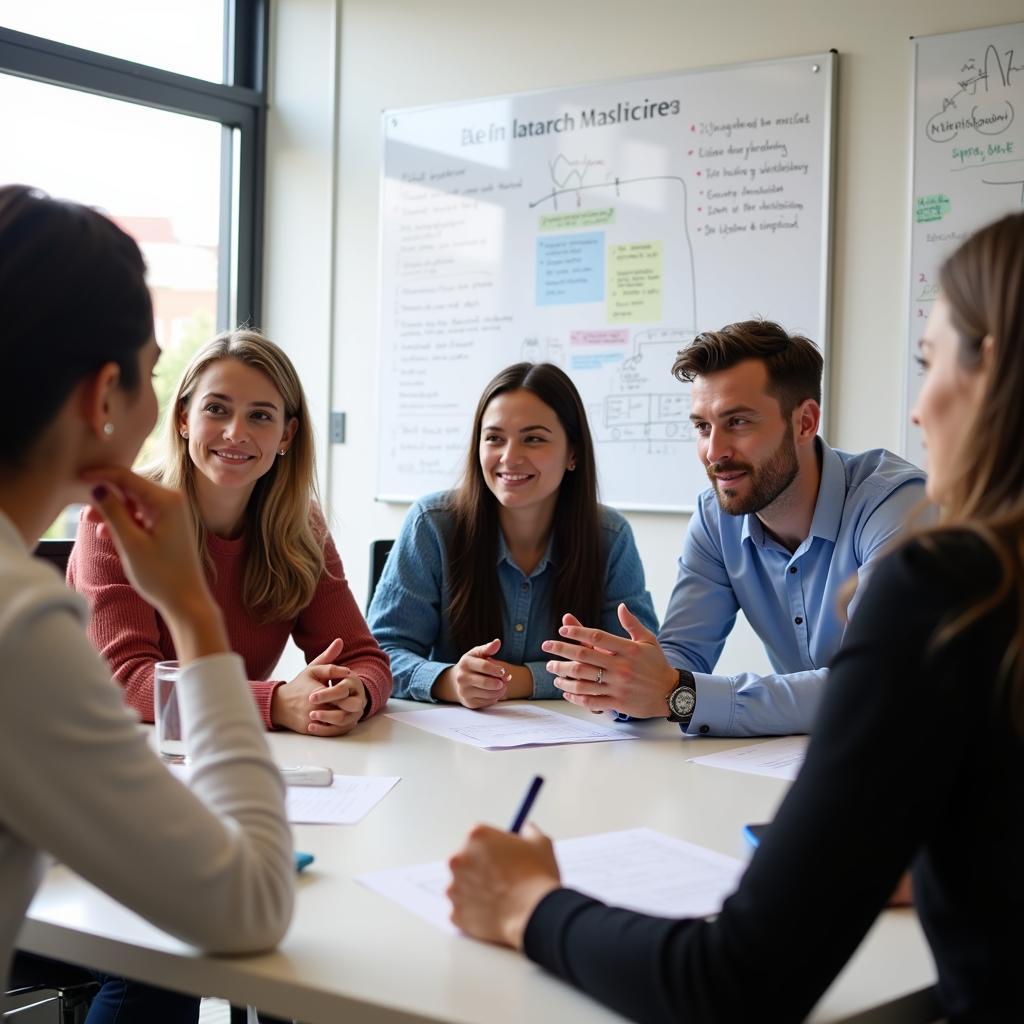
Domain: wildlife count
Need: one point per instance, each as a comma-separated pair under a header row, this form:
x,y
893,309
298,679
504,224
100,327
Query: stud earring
x,y
184,435
108,428
282,451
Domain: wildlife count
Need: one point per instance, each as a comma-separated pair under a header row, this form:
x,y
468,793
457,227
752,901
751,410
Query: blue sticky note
x,y
570,268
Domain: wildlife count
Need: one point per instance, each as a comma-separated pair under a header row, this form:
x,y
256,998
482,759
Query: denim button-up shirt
x,y
791,599
409,613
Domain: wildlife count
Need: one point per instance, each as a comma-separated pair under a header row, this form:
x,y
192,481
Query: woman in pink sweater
x,y
240,445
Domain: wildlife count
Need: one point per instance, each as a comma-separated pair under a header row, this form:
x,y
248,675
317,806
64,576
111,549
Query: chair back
x,y
379,551
56,551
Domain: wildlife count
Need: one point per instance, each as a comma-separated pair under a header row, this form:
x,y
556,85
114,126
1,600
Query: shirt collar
x,y
752,530
504,555
828,509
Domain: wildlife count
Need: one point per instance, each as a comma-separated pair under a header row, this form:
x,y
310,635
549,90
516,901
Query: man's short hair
x,y
793,362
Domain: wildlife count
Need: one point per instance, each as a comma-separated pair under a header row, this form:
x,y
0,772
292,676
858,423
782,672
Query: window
x,y
186,36
160,123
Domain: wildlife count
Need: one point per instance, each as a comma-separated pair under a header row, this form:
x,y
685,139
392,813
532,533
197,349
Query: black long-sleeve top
x,y
913,758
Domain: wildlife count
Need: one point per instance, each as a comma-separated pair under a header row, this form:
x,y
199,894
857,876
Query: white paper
x,y
638,869
346,801
780,759
495,728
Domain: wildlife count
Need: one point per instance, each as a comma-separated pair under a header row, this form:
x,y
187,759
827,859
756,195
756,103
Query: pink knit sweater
x,y
132,637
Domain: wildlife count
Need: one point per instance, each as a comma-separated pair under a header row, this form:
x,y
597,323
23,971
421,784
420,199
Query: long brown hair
x,y
983,282
475,610
284,553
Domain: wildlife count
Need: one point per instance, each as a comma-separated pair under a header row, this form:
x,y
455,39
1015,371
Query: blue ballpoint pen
x,y
524,808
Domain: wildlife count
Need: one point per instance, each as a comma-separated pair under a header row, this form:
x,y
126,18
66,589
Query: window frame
x,y
239,105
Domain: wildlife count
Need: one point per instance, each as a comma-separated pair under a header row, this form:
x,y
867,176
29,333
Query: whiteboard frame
x,y
824,339
908,285
829,61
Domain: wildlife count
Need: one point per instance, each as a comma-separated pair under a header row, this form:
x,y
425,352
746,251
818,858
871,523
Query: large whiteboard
x,y
597,227
968,162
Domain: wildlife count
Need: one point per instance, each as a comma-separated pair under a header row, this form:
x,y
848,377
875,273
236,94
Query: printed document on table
x,y
779,759
638,869
346,801
496,728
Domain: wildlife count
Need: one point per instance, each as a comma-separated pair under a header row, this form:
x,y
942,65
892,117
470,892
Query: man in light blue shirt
x,y
786,525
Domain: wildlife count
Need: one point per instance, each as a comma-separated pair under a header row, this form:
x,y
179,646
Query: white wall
x,y
299,255
396,53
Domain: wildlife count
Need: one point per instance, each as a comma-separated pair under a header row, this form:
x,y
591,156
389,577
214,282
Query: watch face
x,y
682,701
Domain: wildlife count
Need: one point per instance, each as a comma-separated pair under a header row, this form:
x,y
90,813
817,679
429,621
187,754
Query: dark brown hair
x,y
579,559
793,362
73,297
983,282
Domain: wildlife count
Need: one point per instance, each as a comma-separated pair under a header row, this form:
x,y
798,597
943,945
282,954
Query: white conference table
x,y
353,955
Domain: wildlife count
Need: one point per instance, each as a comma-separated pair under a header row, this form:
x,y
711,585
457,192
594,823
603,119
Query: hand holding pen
x,y
498,878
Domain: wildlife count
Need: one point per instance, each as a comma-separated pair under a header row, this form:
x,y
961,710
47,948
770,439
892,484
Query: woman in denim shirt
x,y
492,567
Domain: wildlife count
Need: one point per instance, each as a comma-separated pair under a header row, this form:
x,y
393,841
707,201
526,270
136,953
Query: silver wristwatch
x,y
683,699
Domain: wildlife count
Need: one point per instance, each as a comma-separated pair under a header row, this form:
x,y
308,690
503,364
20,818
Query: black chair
x,y
379,551
56,551
47,990
71,1003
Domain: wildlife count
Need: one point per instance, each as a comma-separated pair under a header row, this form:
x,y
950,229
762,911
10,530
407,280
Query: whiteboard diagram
x,y
599,228
968,163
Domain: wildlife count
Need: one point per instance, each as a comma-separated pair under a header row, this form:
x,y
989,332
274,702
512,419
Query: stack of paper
x,y
346,801
780,759
639,869
496,728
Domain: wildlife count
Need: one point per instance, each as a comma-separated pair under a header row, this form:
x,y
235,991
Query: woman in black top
x,y
917,757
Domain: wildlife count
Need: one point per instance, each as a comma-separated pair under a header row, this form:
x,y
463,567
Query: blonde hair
x,y
284,556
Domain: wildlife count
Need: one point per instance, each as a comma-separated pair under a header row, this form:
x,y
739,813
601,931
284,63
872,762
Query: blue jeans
x,y
122,1001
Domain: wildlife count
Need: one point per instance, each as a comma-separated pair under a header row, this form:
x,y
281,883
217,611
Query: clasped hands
x,y
479,679
324,699
605,672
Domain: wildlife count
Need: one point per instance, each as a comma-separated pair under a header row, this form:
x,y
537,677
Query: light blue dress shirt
x,y
791,599
409,612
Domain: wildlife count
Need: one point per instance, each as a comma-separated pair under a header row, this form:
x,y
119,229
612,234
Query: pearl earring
x,y
108,428
281,451
184,435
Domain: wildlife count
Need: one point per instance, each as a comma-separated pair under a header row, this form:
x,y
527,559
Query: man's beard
x,y
767,481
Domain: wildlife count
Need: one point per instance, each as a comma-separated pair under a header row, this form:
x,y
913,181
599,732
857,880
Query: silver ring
x,y
600,677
